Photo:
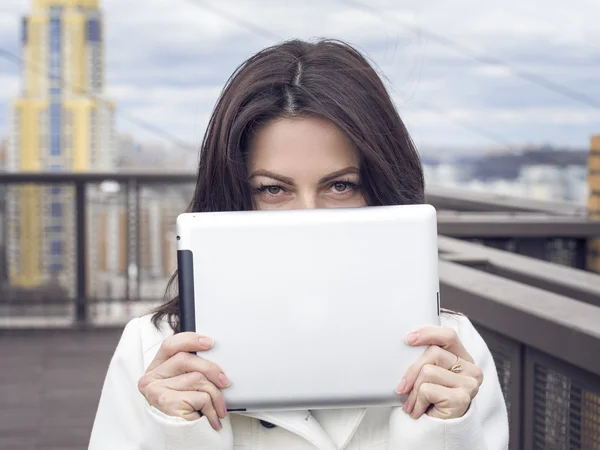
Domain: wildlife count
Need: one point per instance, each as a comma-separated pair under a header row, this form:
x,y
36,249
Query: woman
x,y
300,125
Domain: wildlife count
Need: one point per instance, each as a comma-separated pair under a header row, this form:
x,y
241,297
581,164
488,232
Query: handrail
x,y
552,323
446,198
515,225
470,200
558,279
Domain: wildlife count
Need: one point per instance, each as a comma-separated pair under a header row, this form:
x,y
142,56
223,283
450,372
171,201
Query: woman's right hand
x,y
181,384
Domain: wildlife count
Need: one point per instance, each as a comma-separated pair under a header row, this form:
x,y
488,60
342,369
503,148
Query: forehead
x,y
301,143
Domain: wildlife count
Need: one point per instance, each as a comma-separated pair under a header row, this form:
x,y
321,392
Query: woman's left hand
x,y
444,380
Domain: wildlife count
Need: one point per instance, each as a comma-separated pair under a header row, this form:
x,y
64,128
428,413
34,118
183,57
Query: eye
x,y
271,189
341,187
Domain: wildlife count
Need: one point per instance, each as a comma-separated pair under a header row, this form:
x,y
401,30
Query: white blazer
x,y
125,420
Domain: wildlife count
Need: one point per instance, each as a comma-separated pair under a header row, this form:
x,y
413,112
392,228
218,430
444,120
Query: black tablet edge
x,y
187,309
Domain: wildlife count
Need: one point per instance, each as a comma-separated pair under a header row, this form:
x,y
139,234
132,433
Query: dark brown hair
x,y
327,79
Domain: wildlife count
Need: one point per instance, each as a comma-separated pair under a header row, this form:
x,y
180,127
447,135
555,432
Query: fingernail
x,y
220,425
222,411
411,338
400,388
206,342
224,381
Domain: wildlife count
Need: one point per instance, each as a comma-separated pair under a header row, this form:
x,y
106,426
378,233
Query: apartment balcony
x,y
80,254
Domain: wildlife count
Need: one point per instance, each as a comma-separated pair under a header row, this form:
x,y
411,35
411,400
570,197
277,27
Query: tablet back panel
x,y
309,308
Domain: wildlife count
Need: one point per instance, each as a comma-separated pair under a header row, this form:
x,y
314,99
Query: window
x,y
56,248
55,119
56,209
55,50
93,30
24,31
55,44
55,111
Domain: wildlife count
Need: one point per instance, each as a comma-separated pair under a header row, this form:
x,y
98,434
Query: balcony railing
x,y
94,249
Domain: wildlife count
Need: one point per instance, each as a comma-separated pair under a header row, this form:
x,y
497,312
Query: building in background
x,y
3,263
151,155
60,123
135,262
539,181
3,152
594,200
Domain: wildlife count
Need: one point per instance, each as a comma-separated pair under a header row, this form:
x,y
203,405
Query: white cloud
x,y
165,94
168,59
510,116
496,71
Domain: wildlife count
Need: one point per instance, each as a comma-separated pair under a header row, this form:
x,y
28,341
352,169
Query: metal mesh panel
x,y
37,253
159,206
590,420
566,414
507,357
131,245
106,250
129,249
504,366
508,245
563,251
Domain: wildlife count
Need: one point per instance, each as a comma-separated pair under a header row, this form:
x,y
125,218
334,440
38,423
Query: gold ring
x,y
456,367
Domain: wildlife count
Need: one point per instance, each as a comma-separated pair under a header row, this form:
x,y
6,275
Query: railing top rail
x,y
557,278
442,197
515,225
95,177
470,200
552,323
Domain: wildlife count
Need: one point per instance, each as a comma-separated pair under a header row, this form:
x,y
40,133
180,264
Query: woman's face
x,y
301,163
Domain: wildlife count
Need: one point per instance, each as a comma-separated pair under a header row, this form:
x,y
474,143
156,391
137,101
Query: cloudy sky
x,y
168,59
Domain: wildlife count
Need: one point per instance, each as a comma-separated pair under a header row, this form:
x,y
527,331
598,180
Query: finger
x,y
181,342
186,405
196,381
431,374
170,402
433,355
428,394
201,401
447,402
184,363
438,375
443,337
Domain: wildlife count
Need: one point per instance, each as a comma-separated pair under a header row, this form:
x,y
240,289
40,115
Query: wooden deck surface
x,y
50,383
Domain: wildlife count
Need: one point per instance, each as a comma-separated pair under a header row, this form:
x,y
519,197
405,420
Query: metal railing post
x,y
132,214
81,255
138,250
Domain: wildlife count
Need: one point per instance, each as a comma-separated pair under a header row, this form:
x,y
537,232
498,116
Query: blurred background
x,y
103,105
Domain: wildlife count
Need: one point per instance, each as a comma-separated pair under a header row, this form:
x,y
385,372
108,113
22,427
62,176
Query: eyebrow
x,y
290,181
338,173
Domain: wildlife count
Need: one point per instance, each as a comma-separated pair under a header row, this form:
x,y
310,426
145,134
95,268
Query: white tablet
x,y
309,308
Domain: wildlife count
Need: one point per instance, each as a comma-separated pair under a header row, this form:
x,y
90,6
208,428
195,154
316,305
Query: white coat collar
x,y
325,429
